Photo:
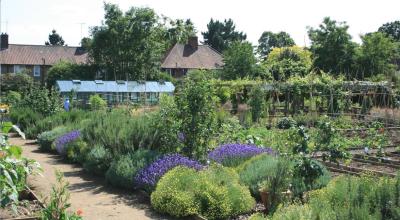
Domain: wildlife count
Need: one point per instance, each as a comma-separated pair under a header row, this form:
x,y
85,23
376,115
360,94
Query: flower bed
x,y
62,141
148,177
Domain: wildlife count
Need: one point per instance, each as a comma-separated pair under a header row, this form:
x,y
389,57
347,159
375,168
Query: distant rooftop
x,y
99,86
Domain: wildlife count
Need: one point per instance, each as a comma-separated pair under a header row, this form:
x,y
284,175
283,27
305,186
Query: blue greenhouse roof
x,y
99,86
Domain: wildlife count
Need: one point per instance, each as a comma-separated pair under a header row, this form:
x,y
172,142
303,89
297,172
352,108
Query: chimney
x,y
193,42
4,41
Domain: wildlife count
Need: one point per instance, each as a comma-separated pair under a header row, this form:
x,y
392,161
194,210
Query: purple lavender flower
x,y
234,154
149,176
62,141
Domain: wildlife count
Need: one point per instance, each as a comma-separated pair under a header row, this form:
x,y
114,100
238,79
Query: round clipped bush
x,y
123,169
97,103
77,151
46,139
97,160
286,123
214,193
174,194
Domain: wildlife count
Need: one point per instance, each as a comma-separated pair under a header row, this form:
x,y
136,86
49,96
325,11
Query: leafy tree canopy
x,y
332,48
69,71
392,29
55,39
239,61
220,35
178,31
377,55
288,61
270,40
129,45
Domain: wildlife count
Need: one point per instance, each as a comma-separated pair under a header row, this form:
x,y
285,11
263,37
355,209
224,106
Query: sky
x,y
31,21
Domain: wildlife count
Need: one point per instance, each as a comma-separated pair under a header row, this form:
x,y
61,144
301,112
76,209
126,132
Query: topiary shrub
x,y
97,103
46,139
214,193
123,169
77,151
286,123
97,160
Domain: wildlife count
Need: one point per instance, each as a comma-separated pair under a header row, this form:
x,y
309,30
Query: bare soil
x,y
89,193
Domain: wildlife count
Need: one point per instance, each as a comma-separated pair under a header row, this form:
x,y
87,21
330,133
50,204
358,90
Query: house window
x,y
18,68
36,71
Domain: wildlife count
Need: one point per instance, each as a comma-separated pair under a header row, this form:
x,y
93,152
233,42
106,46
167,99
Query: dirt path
x,y
88,193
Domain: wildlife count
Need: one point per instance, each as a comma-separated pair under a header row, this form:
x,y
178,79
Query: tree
x,y
86,42
269,41
377,55
220,35
130,45
239,61
68,71
196,113
256,103
288,61
332,48
55,39
179,31
391,29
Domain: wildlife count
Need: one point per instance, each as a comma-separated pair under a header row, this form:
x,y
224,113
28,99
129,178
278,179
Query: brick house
x,y
36,59
184,57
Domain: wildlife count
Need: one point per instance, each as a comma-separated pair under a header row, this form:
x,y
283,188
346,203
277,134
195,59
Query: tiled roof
x,y
40,54
99,86
185,56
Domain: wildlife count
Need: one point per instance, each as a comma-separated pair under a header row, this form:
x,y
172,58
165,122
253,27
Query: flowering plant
x,y
234,154
148,177
62,141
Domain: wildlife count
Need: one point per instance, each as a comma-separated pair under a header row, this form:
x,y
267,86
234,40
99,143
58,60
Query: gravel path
x,y
88,193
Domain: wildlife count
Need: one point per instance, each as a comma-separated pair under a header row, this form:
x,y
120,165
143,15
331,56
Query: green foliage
x,y
20,82
288,61
196,113
214,193
13,98
167,125
140,46
121,132
97,160
77,151
97,103
286,123
124,168
377,55
55,39
25,118
268,41
68,71
14,171
179,30
220,35
41,100
332,48
293,212
46,139
391,29
56,209
256,103
239,61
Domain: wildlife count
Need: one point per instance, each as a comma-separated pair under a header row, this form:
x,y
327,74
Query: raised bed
x,y
356,168
28,208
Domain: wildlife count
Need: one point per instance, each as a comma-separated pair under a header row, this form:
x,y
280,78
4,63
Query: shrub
x,y
13,98
124,169
286,123
15,82
235,154
46,139
293,212
214,193
77,151
97,160
62,141
148,177
97,103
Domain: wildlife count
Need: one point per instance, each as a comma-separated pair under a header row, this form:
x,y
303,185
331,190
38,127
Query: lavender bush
x,y
62,141
148,177
235,154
